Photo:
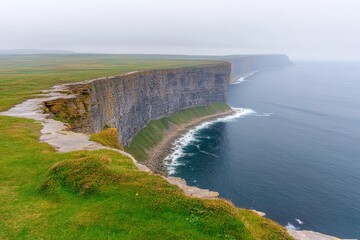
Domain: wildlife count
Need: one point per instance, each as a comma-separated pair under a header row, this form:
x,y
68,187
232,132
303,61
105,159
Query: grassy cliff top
x,y
96,194
22,76
101,195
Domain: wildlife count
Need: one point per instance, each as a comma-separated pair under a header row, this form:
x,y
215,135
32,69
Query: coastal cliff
x,y
128,102
82,175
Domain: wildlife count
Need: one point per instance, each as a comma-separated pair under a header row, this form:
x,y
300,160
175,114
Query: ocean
x,y
292,150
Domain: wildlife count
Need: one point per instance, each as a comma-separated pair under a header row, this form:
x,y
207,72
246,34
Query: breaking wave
x,y
299,221
171,161
207,153
289,226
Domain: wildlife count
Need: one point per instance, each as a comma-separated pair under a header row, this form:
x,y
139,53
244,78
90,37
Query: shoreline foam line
x,y
171,162
246,76
243,78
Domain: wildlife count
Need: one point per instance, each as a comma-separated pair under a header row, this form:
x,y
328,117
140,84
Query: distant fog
x,y
303,29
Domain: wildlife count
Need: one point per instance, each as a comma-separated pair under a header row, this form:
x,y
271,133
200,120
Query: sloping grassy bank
x,y
101,195
154,132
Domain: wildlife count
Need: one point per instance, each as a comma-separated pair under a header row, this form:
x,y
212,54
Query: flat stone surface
x,y
192,191
309,235
261,214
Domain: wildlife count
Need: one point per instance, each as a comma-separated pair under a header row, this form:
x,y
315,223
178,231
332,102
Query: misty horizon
x,y
303,30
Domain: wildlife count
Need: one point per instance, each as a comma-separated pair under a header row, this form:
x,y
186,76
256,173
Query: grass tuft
x,y
108,137
85,176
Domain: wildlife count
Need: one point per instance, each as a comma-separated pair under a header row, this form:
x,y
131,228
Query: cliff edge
x,y
128,102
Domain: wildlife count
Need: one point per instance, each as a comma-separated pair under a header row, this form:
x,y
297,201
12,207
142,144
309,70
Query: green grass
x,y
97,194
152,134
23,76
101,195
108,137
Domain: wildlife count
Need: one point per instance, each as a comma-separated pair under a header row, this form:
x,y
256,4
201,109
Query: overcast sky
x,y
303,29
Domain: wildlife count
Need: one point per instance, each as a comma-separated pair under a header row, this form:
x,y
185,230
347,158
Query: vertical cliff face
x,y
128,102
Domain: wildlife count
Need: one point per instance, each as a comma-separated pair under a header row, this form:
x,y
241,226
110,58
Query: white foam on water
x,y
264,114
289,226
207,153
171,161
299,221
243,78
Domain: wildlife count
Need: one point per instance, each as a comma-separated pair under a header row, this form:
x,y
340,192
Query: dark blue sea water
x,y
294,154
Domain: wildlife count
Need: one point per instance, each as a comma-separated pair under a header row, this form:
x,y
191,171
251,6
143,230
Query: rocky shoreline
x,y
157,154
